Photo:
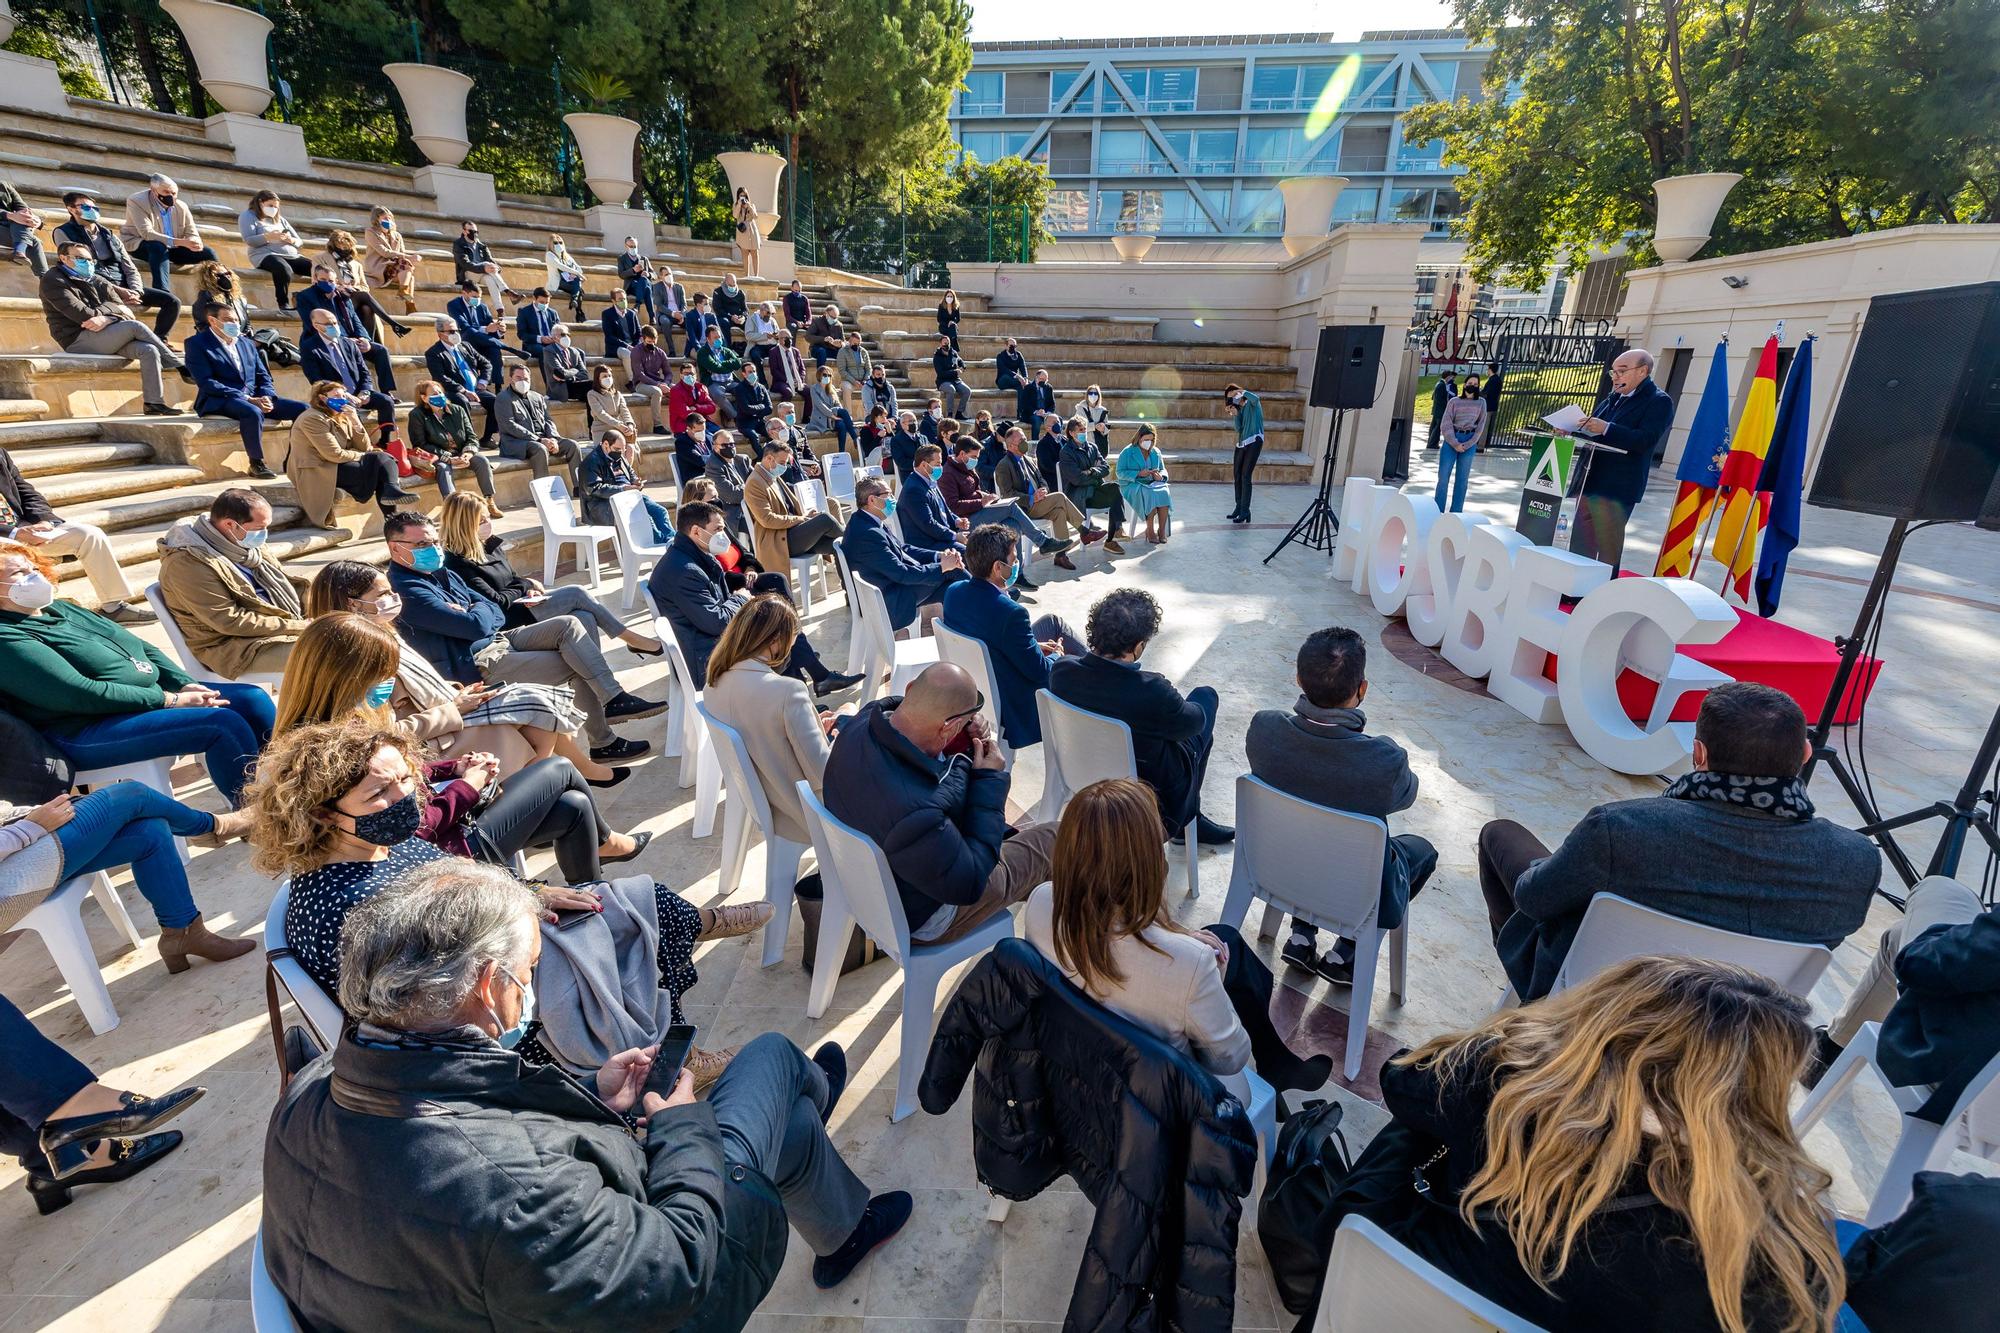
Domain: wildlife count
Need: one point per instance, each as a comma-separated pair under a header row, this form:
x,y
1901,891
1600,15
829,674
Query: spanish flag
x,y
1700,472
1744,510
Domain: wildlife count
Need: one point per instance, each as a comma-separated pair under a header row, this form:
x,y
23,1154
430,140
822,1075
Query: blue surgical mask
x,y
427,560
385,224
936,472
335,404
1013,573
889,507
83,268
231,329
380,693
255,538
88,212
512,1036
437,400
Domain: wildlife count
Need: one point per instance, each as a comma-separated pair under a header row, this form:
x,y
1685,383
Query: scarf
x,y
1784,798
267,580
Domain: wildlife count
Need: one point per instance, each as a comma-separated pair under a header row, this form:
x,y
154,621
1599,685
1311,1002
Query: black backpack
x,y
276,350
1296,1218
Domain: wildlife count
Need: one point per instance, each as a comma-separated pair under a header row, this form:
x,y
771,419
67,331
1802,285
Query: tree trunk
x,y
197,99
150,66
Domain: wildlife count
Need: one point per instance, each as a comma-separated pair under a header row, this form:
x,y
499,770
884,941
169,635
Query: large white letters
x,y
1638,623
1358,500
1396,569
1444,563
1481,597
1532,627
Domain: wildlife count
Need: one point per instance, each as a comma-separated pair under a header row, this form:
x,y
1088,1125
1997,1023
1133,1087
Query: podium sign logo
x,y
1549,459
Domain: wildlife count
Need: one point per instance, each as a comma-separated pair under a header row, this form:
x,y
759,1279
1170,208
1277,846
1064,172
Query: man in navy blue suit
x,y
928,526
478,325
231,380
535,325
325,294
874,552
328,354
1637,414
1021,653
620,325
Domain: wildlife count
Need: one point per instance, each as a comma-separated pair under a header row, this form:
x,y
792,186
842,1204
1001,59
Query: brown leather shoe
x,y
229,826
195,940
727,922
707,1066
1111,547
1064,562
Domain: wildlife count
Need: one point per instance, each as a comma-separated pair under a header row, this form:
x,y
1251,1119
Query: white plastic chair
x,y
560,528
155,773
700,768
1323,866
58,919
902,660
857,637
676,710
1923,1145
806,567
860,890
839,469
747,812
962,650
1615,929
1080,747
177,642
270,1312
320,1011
633,530
1374,1283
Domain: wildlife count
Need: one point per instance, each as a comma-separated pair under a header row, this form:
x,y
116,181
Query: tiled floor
x,y
171,1250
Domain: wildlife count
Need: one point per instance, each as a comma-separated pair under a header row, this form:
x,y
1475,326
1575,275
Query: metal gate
x,y
1541,372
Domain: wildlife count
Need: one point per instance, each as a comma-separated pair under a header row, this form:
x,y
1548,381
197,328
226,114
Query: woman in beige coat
x,y
608,408
390,263
331,453
748,236
782,729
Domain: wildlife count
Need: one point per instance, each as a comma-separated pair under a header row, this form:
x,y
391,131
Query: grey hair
x,y
410,955
157,179
867,488
1639,354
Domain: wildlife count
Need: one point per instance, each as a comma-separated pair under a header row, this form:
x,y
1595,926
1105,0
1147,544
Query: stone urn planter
x,y
6,21
228,44
1309,202
1688,205
606,144
758,173
434,98
1132,245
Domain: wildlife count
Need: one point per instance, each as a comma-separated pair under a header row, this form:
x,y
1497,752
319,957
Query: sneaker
x,y
1329,965
884,1217
832,1060
625,706
1208,833
619,749
835,683
129,613
1021,597
733,919
1111,547
261,471
1825,1050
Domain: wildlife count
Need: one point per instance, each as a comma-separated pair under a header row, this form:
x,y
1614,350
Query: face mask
x,y
88,212
33,591
1013,573
556,244
688,378
564,340
631,247
385,609
270,210
729,286
231,329
520,386
451,340
332,404
889,507
386,828
936,471
380,693
83,268
254,538
437,400
385,224
166,200
513,1036
718,542
428,560
324,286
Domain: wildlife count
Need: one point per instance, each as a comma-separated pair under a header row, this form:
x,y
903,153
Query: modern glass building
x,y
1189,136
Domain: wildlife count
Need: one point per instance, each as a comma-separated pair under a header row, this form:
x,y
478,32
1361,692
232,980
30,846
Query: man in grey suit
x,y
526,430
1734,844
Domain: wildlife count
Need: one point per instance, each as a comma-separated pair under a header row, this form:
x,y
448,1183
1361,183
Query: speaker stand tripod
x,y
1971,809
1317,527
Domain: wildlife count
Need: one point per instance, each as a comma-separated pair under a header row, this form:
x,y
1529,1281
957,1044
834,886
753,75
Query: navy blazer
x,y
1031,398
621,329
1635,424
691,593
337,360
473,316
906,582
222,371
445,620
1048,459
444,368
310,298
532,322
981,611
696,325
927,523
903,452
1166,727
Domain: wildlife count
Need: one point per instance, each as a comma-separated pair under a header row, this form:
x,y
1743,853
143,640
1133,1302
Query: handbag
x,y
1296,1217
275,348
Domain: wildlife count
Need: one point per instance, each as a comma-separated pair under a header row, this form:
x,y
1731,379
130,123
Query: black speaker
x,y
1917,431
1348,365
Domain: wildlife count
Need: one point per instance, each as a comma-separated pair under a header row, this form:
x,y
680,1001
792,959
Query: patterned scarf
x,y
1784,797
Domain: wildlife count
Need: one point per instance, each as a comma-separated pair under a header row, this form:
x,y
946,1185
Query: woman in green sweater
x,y
443,429
1249,412
105,697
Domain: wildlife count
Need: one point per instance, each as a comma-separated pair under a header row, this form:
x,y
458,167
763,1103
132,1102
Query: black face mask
x,y
386,828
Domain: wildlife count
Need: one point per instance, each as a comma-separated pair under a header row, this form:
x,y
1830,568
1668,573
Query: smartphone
x,y
673,1054
570,917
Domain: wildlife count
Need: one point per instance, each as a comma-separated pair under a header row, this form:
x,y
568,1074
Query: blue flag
x,y
1783,479
1708,438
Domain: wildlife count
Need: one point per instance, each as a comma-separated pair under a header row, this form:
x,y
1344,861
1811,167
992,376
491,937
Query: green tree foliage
x,y
1842,115
965,211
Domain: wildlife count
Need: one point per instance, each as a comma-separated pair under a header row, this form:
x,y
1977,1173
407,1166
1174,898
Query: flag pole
x,y
1714,501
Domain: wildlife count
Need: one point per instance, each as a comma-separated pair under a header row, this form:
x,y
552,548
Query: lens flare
x,y
1327,109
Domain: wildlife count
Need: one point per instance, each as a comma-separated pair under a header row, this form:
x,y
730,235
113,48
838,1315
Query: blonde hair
x,y
458,526
764,630
698,488
303,772
1109,877
337,660
1679,1064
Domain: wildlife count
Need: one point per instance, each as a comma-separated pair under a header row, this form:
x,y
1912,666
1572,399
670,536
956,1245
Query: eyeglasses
x,y
979,702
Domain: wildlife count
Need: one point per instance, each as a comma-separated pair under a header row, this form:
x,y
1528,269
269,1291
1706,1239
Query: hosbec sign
x,y
1490,601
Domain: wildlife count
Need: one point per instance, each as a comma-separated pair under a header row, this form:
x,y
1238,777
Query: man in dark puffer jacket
x,y
1154,1141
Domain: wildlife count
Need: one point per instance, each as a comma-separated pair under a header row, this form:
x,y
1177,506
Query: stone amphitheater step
x,y
980,351
1196,374
851,297
22,409
1276,467
975,330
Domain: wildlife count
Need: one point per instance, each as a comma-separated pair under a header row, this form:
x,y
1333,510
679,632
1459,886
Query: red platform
x,y
1800,664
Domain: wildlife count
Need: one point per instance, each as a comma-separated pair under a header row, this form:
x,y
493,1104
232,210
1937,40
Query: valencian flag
x,y
1743,509
1700,472
1783,479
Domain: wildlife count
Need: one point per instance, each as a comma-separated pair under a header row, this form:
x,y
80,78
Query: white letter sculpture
x,y
1481,599
1532,627
1444,562
1638,623
1358,501
1396,569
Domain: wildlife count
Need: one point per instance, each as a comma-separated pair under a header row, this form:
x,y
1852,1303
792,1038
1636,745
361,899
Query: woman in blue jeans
x,y
126,823
1464,422
104,696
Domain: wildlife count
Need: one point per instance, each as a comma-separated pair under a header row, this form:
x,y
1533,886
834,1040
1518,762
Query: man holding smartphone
x,y
424,1172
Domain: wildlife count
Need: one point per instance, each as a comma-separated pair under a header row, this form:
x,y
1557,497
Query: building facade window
x,y
983,95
